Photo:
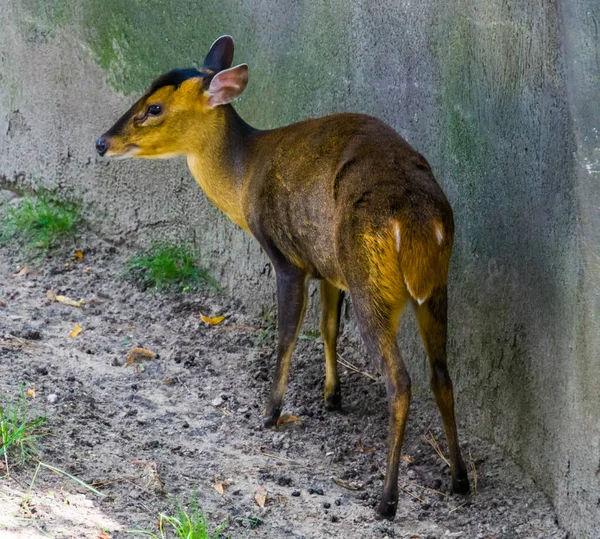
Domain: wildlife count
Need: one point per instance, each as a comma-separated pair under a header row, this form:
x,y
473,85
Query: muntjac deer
x,y
343,199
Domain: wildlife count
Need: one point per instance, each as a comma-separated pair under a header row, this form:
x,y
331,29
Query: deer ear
x,y
226,85
220,55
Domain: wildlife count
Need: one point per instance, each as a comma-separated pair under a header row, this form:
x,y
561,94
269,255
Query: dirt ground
x,y
151,433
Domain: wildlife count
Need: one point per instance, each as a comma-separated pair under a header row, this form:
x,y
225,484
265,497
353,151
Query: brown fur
x,y
343,199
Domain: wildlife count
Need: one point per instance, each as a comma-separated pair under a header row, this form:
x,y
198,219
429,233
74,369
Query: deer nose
x,y
101,146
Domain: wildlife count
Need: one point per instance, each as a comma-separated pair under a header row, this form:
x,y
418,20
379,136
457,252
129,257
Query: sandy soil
x,y
151,433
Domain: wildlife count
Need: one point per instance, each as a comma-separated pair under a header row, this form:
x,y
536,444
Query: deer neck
x,y
219,164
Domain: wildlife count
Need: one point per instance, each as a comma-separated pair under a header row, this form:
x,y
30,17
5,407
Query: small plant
x,y
19,433
190,524
40,222
268,333
310,335
168,266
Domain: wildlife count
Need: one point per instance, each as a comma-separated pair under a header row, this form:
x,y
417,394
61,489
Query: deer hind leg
x,y
432,320
291,306
378,324
331,303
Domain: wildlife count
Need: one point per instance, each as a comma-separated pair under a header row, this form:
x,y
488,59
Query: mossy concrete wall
x,y
501,96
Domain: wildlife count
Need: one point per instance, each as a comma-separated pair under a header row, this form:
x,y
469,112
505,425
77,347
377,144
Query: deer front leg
x,y
291,306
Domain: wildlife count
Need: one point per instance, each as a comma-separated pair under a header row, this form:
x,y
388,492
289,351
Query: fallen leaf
x,y
103,535
220,486
2,304
76,331
151,475
364,449
284,419
407,458
87,269
30,393
212,321
64,299
139,354
260,496
78,255
68,301
24,271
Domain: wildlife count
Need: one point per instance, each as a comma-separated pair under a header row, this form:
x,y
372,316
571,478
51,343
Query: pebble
x,y
52,398
218,401
326,505
296,493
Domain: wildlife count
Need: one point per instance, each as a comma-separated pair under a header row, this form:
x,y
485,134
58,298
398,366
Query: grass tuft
x,y
40,222
186,524
19,434
168,266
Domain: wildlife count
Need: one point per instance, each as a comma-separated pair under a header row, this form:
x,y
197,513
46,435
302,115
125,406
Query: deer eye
x,y
154,110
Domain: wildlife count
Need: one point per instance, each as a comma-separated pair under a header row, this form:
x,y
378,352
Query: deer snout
x,y
102,145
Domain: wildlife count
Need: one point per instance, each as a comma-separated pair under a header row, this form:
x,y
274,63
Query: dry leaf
x,y
30,393
407,458
64,299
2,304
260,496
76,331
212,321
138,354
364,449
151,475
24,271
103,535
78,255
220,486
68,301
284,419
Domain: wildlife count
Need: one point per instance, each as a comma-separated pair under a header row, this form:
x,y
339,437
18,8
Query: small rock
x,y
334,519
311,490
218,401
326,505
284,481
296,493
319,491
52,398
338,502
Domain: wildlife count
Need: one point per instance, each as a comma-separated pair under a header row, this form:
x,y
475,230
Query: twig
x,y
345,484
459,506
106,482
348,365
413,495
183,384
427,488
433,443
275,456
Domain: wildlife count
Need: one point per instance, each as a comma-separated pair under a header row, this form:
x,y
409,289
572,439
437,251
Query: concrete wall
x,y
501,96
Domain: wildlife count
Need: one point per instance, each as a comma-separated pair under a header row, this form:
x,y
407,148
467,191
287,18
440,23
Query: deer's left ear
x,y
226,85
